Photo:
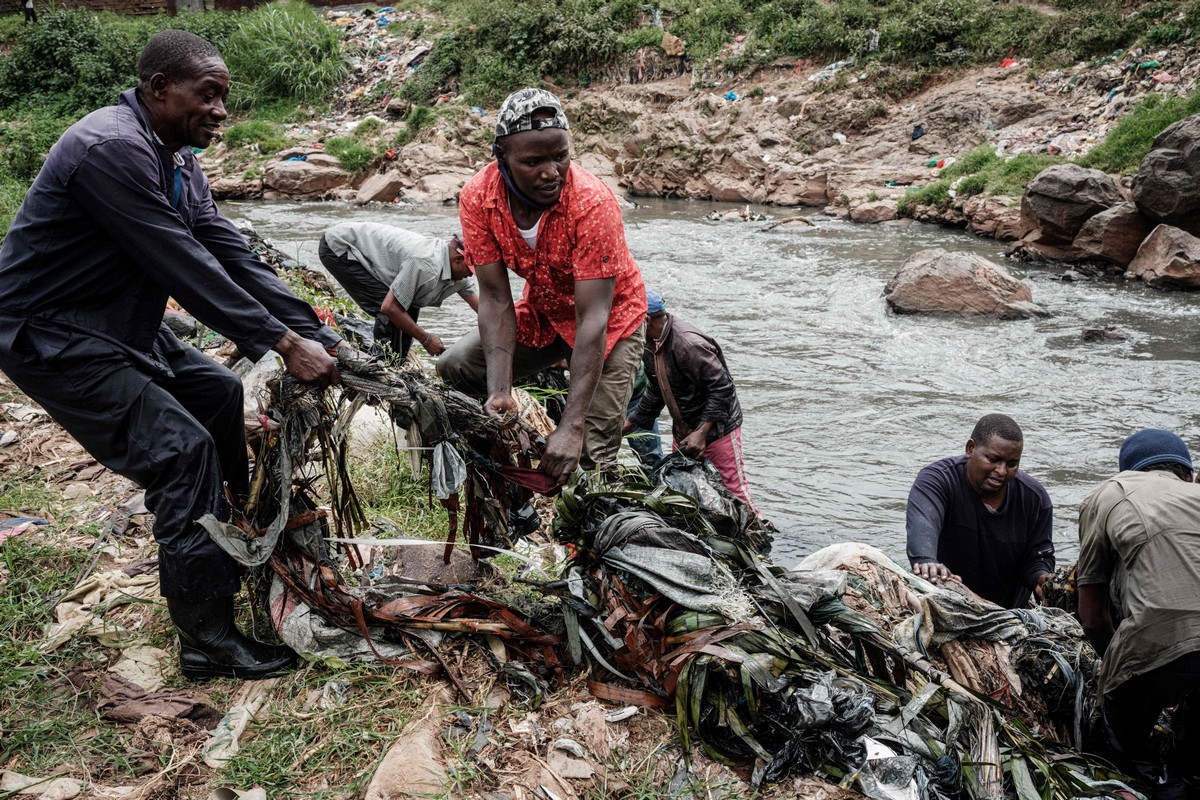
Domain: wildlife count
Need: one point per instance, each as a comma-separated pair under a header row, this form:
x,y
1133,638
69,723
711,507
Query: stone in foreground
x,y
1062,198
1168,259
935,281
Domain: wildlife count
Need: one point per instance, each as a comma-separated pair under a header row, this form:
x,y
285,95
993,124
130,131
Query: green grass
x,y
264,135
1131,138
418,119
284,50
355,156
46,721
293,749
12,192
979,171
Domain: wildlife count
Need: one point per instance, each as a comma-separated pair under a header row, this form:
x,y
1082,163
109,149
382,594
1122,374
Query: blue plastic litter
x,y
478,110
15,521
731,95
386,9
383,22
383,58
298,158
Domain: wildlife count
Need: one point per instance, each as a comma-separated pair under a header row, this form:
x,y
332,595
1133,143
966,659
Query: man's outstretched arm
x,y
593,301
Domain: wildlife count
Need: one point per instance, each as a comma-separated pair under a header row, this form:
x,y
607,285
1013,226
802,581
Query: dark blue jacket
x,y
101,241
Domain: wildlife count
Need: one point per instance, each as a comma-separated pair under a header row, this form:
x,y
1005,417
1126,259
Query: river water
x,y
844,401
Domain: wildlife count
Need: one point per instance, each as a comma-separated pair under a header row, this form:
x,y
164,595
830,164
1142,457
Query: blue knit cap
x,y
1151,446
654,302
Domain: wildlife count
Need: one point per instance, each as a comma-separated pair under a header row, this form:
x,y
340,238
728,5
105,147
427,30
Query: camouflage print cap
x,y
517,110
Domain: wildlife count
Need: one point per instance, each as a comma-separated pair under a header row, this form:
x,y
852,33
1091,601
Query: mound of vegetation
x,y
981,171
485,47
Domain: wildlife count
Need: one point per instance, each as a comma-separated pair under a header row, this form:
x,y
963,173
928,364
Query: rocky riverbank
x,y
790,134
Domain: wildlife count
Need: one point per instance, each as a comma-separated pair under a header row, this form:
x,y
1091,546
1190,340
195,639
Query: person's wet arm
x,y
399,316
703,367
593,301
924,516
1095,616
1094,568
498,336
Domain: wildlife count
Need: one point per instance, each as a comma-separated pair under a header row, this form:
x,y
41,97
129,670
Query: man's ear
x,y
970,446
158,85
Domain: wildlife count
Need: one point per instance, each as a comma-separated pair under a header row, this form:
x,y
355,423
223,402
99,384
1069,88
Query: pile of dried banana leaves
x,y
846,666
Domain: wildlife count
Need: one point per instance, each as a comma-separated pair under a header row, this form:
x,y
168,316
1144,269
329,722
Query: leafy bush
x,y
74,55
284,50
354,155
367,129
1133,135
24,144
440,67
12,192
419,118
706,25
267,136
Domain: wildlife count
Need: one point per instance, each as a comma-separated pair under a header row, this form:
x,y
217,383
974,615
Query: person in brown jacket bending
x,y
686,372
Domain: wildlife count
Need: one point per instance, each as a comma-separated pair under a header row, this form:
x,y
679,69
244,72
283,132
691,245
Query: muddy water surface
x,y
845,401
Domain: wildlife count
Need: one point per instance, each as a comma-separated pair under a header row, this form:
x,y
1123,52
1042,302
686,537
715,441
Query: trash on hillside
x,y
827,72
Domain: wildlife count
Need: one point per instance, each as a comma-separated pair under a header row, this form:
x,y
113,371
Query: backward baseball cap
x,y
516,112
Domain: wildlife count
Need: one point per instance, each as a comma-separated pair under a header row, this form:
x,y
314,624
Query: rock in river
x,y
1113,235
1168,259
937,281
1062,198
1167,185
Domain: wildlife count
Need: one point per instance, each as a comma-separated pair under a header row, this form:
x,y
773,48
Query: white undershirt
x,y
530,235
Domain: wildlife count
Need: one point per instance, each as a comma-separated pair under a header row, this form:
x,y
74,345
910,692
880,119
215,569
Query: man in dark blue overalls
x,y
119,219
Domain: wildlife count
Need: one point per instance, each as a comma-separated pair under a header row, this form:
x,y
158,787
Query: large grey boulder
x,y
1062,198
1168,259
304,178
937,281
441,187
1167,185
1113,235
382,187
874,211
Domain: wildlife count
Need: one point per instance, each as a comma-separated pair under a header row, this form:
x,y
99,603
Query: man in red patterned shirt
x,y
559,227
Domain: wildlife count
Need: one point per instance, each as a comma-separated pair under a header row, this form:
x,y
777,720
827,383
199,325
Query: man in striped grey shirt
x,y
393,273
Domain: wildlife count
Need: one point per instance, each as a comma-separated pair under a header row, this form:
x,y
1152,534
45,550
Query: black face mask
x,y
512,186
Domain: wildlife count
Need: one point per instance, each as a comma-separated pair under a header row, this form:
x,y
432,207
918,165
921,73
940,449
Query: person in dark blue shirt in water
x,y
119,219
978,518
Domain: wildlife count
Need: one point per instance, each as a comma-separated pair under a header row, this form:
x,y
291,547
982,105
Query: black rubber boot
x,y
211,646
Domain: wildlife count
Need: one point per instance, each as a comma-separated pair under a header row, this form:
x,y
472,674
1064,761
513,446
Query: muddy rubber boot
x,y
211,646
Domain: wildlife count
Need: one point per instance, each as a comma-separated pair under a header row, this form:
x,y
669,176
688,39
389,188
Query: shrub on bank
x,y
75,61
263,134
1131,138
489,47
980,171
284,50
